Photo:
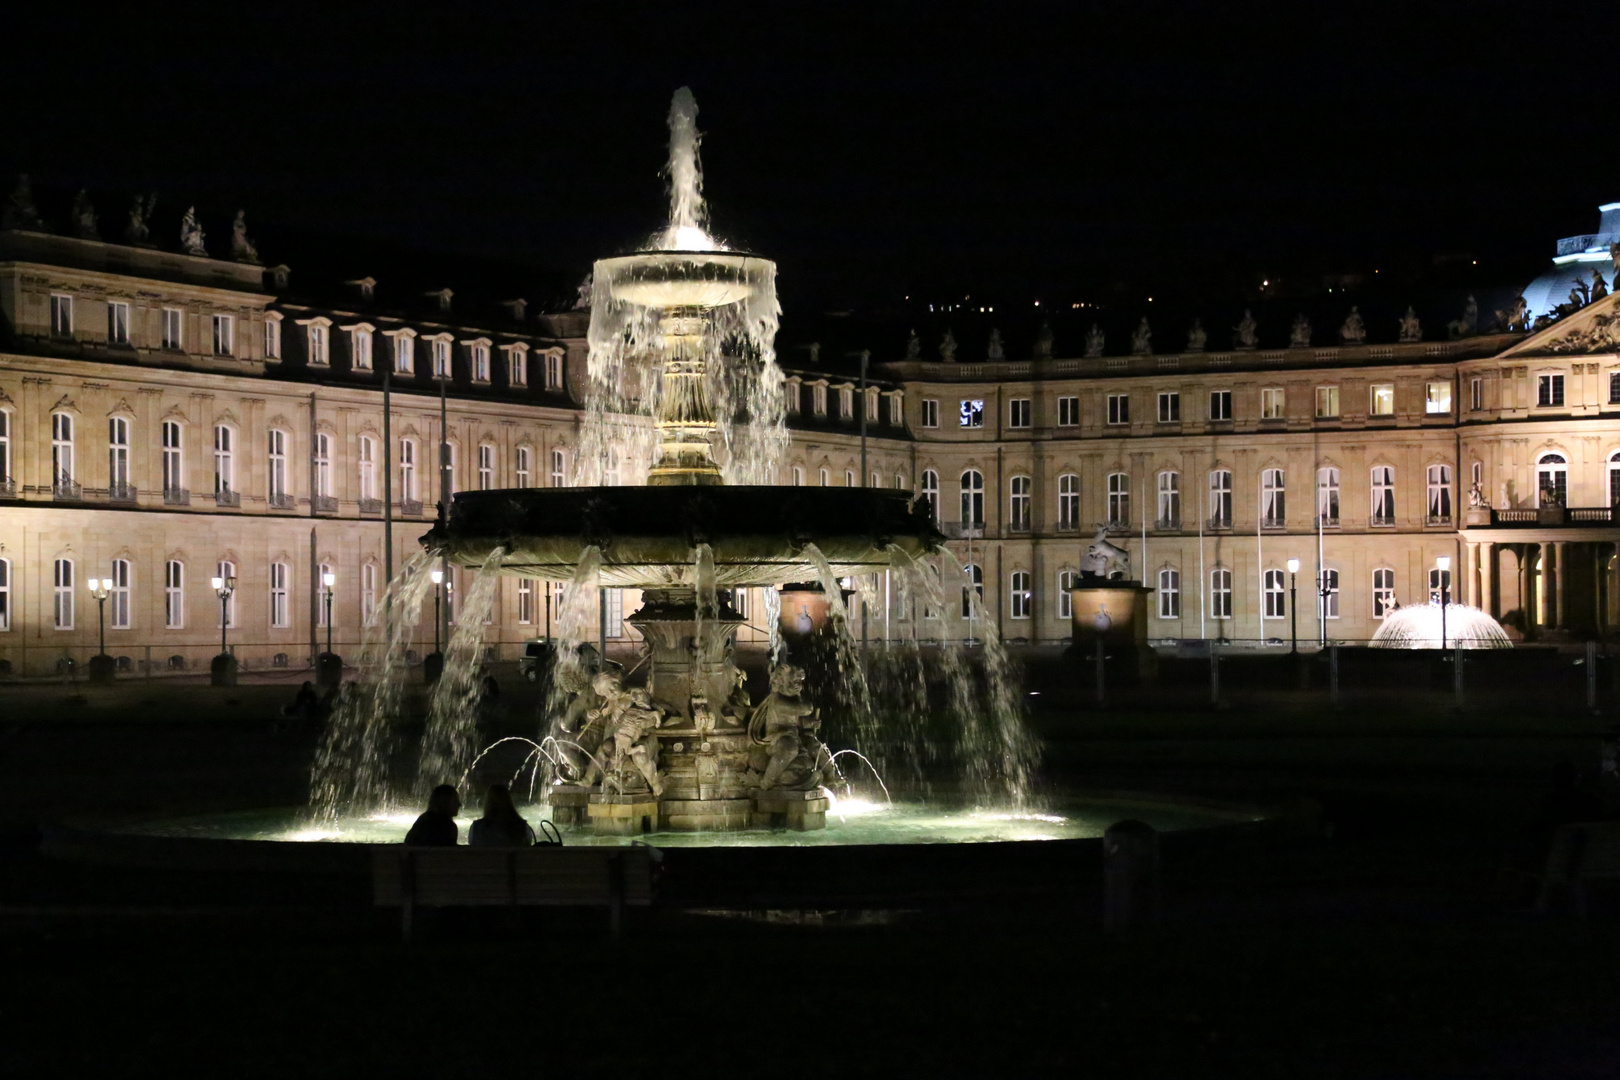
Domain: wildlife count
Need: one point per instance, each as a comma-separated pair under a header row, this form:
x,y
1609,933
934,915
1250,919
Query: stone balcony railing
x,y
410,508
227,497
326,504
962,530
1556,516
8,488
371,506
121,493
176,497
283,500
1220,523
65,490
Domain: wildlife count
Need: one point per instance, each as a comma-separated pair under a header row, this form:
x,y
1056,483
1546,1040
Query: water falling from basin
x,y
1425,626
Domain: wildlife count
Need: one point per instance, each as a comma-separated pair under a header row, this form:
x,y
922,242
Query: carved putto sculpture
x,y
84,217
1142,339
1104,559
1469,322
1513,317
1094,341
1600,288
628,754
914,347
1246,333
1476,497
1299,335
995,350
1354,330
242,249
137,231
577,735
947,347
20,211
788,754
191,234
1411,329
1196,336
1043,341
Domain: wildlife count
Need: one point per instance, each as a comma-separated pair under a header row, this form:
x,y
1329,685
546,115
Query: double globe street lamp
x,y
223,669
101,665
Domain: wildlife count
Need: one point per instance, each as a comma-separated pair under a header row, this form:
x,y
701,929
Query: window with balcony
x,y
367,470
1220,405
119,489
224,460
1068,502
1069,411
1220,499
323,472
1614,476
1552,480
1119,498
1383,495
972,485
1170,407
1169,593
277,470
1018,504
1169,487
62,454
1273,495
1439,491
1327,495
1119,408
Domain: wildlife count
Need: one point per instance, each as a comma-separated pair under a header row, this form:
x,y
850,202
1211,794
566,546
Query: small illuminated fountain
x,y
682,334
1427,626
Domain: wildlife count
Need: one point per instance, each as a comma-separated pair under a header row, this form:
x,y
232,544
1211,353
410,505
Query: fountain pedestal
x,y
800,811
570,803
623,815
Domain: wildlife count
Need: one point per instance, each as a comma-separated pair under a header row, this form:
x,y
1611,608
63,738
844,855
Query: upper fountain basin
x,y
648,535
682,279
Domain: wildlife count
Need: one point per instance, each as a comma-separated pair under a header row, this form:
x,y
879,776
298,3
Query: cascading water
x,y
1426,626
452,725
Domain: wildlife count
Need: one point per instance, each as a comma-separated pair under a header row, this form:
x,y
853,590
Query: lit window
x,y
225,337
1276,606
172,325
1383,591
117,323
1220,404
1273,401
1068,411
1018,413
1327,402
1119,408
1020,595
1383,495
1170,407
930,413
62,589
1549,391
1019,504
972,413
1437,398
1381,399
61,315
1068,501
1220,593
1552,480
1169,594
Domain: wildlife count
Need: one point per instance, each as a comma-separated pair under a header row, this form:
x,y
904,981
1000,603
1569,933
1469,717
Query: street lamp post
x,y
224,667
434,664
1443,564
328,666
101,665
329,579
1293,606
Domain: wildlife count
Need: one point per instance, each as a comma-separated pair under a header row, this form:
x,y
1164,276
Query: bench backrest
x,y
1585,850
465,876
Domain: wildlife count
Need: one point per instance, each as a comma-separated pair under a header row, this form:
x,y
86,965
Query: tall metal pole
x,y
866,356
388,501
1293,613
444,488
101,621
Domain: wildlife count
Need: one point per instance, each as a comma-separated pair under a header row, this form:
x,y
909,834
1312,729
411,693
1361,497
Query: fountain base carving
x,y
799,811
623,815
570,804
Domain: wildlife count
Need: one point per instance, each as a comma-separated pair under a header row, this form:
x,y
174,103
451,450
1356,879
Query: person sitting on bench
x,y
437,825
501,825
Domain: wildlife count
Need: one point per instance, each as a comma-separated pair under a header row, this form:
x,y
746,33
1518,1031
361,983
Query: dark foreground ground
x,y
1395,941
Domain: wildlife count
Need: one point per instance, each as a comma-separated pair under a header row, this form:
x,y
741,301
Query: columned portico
x,y
1568,580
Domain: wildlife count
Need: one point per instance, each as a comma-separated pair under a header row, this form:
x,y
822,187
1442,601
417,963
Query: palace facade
x,y
166,418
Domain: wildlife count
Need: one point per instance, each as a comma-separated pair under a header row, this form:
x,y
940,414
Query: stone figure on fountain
x,y
788,754
578,733
1104,559
625,751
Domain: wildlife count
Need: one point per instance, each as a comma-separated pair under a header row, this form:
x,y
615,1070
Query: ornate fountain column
x,y
685,421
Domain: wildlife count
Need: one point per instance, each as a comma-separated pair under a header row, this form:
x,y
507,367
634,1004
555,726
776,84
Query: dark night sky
x,y
1013,150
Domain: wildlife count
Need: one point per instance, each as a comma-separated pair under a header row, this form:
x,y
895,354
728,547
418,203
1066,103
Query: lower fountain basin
x,y
647,534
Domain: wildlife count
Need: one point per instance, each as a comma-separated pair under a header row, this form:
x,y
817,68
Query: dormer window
x,y
517,363
478,359
896,409
317,340
366,286
442,296
360,338
818,397
554,370
792,391
272,335
441,355
872,406
516,308
404,350
846,403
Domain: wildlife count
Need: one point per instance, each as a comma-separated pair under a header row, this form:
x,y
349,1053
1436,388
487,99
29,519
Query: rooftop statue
x,y
914,347
995,350
1142,339
1411,329
191,234
1600,288
84,217
1104,559
1246,333
1094,341
1513,317
20,211
140,212
1299,336
1354,330
947,347
1043,341
1196,336
1580,294
784,729
1614,257
242,249
582,299
1469,323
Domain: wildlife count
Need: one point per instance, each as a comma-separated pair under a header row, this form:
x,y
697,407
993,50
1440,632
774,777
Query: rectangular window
x,y
118,486
118,607
1170,407
1220,499
280,614
1220,594
317,344
404,354
224,459
368,592
117,323
62,589
226,572
554,371
61,315
1169,594
1327,495
525,602
1383,591
1383,495
479,353
1220,404
1019,504
1476,393
441,359
1437,399
1549,391
1068,502
5,595
1614,388
320,598
930,413
972,413
1066,580
818,399
615,613
225,335
1119,408
1018,413
1119,499
1327,402
1439,485
1020,595
278,465
368,467
1272,403
740,602
522,466
272,339
1272,499
557,471
360,343
323,464
1328,605
1169,500
896,417
5,447
171,328
61,449
1068,412
486,467
1276,608
846,403
517,367
1381,399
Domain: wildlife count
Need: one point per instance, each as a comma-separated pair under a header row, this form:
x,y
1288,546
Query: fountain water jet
x,y
1419,626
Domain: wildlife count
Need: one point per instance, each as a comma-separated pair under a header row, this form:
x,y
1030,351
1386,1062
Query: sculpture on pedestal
x,y
140,212
1513,317
947,347
20,211
1299,336
191,234
84,217
1104,559
578,738
629,749
1246,333
914,347
1094,341
1465,326
242,249
788,754
1411,329
1142,339
995,350
1354,330
1196,336
1043,341
1600,288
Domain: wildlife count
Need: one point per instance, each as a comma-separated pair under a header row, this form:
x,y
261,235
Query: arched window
x,y
1169,593
1020,595
174,461
974,584
798,476
279,495
118,598
62,453
407,470
1274,585
558,472
368,467
118,485
1383,495
323,464
1329,603
1439,489
486,467
849,477
224,460
1327,495
1552,480
1018,504
174,594
1220,593
1272,492
1220,499
899,481
62,587
1169,514
1068,501
226,570
280,583
1440,586
972,497
320,601
930,492
1119,498
5,451
5,595
1066,580
1614,474
368,592
824,477
1383,590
